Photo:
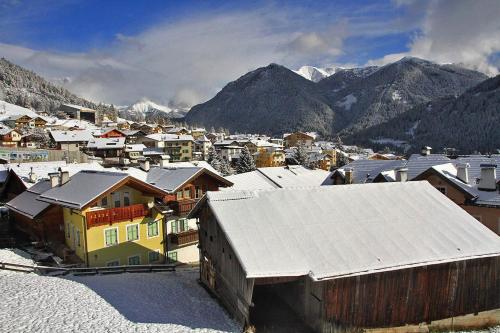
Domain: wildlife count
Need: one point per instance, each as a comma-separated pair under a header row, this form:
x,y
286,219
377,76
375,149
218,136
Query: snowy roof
x,y
82,188
336,231
279,177
72,136
42,169
106,143
7,110
170,179
79,107
4,130
169,137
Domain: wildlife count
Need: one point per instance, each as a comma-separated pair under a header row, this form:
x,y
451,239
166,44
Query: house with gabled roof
x,y
184,186
109,218
348,258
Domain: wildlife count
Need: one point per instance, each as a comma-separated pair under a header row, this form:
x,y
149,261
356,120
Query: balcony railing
x,y
185,237
109,216
183,207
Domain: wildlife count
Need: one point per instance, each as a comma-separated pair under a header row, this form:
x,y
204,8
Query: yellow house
x,y
269,158
109,218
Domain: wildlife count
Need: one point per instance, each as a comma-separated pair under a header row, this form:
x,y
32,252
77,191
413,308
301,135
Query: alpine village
x,y
360,199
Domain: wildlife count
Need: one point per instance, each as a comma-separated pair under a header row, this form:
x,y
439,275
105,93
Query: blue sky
x,y
185,51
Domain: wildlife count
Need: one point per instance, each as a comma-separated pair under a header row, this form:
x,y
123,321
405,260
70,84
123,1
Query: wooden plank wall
x,y
219,260
414,295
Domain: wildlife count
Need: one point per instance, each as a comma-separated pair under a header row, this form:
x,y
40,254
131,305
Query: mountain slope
x,y
271,99
468,123
145,109
275,100
22,87
393,89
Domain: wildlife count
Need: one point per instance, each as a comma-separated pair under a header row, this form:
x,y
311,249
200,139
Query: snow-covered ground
x,y
131,302
347,101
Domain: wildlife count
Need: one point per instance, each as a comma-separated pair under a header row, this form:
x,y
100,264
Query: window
x,y
134,260
68,234
187,193
126,199
153,229
441,189
179,195
113,263
197,192
133,232
154,256
179,225
77,236
477,217
111,236
172,256
116,199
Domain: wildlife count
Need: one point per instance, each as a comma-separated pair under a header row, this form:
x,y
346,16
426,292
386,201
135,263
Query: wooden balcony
x,y
112,215
185,237
183,207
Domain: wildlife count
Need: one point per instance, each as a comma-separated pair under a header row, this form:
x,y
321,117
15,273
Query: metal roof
x,y
106,143
169,179
335,231
27,204
82,188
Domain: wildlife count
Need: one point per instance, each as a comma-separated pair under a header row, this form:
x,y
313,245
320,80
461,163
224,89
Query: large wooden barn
x,y
347,257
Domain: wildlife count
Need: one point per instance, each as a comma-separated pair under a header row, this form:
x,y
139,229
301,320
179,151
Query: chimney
x,y
463,172
32,176
164,161
401,174
425,151
487,182
64,177
144,164
349,173
54,179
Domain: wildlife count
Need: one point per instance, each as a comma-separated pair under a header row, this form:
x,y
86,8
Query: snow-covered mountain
x,y
145,108
315,73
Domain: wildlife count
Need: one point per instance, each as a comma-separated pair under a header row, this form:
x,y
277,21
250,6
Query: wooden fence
x,y
48,270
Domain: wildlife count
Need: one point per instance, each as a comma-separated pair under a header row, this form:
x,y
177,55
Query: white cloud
x,y
456,31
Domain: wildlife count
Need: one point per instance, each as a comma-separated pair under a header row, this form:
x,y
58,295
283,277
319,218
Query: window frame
x,y
117,236
157,229
113,199
138,231
149,256
134,256
126,199
442,189
113,261
171,254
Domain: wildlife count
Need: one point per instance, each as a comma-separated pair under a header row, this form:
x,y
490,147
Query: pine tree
x,y
225,168
300,155
212,155
245,162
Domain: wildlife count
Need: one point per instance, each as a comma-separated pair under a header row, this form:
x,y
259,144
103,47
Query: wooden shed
x,y
342,258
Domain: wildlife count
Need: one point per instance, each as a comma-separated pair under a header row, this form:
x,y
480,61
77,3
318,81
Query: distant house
x,y
296,139
79,112
9,137
112,133
19,121
106,147
178,147
346,258
71,140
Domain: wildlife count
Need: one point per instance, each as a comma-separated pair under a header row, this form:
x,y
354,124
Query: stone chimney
x,y
144,164
401,174
487,182
64,177
164,161
463,172
425,151
54,179
349,175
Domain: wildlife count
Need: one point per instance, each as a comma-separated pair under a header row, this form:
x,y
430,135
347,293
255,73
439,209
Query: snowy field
x,y
130,302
